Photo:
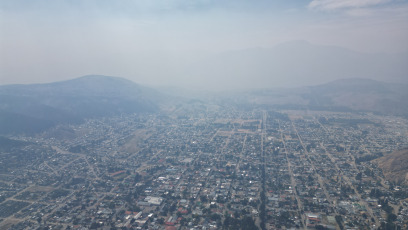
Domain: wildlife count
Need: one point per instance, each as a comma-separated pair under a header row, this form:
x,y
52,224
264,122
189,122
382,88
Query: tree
x,y
160,221
359,176
339,221
248,223
320,227
391,217
215,217
94,225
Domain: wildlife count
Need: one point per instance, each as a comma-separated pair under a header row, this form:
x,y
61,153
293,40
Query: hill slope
x,y
395,166
362,95
353,94
34,108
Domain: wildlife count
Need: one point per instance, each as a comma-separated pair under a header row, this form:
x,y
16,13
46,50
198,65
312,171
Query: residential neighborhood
x,y
203,167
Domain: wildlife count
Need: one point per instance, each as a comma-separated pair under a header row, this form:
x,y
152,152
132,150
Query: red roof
x,y
314,219
117,173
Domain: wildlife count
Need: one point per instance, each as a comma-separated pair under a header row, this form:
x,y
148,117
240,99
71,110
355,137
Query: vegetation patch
x,y
10,207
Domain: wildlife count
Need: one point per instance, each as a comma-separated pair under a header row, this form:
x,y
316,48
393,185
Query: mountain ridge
x,y
351,94
297,64
35,108
41,106
362,95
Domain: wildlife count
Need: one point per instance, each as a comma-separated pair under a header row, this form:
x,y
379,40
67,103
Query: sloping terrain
x,y
34,108
362,95
395,166
7,144
353,94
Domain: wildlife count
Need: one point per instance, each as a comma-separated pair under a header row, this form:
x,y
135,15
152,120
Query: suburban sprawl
x,y
203,166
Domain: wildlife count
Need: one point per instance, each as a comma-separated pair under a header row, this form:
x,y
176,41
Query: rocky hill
x,y
395,166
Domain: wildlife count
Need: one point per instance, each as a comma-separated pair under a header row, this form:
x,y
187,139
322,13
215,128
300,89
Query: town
x,y
207,167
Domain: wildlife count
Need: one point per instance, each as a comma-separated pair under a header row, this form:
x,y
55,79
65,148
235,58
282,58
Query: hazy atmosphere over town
x,y
204,43
204,114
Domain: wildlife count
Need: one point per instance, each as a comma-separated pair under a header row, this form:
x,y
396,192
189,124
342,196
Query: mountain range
x,y
352,94
38,107
362,95
295,64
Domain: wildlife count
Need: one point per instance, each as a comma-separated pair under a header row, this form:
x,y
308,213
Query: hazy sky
x,y
152,41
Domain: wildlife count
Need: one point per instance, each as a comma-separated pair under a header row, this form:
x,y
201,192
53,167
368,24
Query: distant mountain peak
x,y
352,85
295,43
97,80
101,78
355,81
295,64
